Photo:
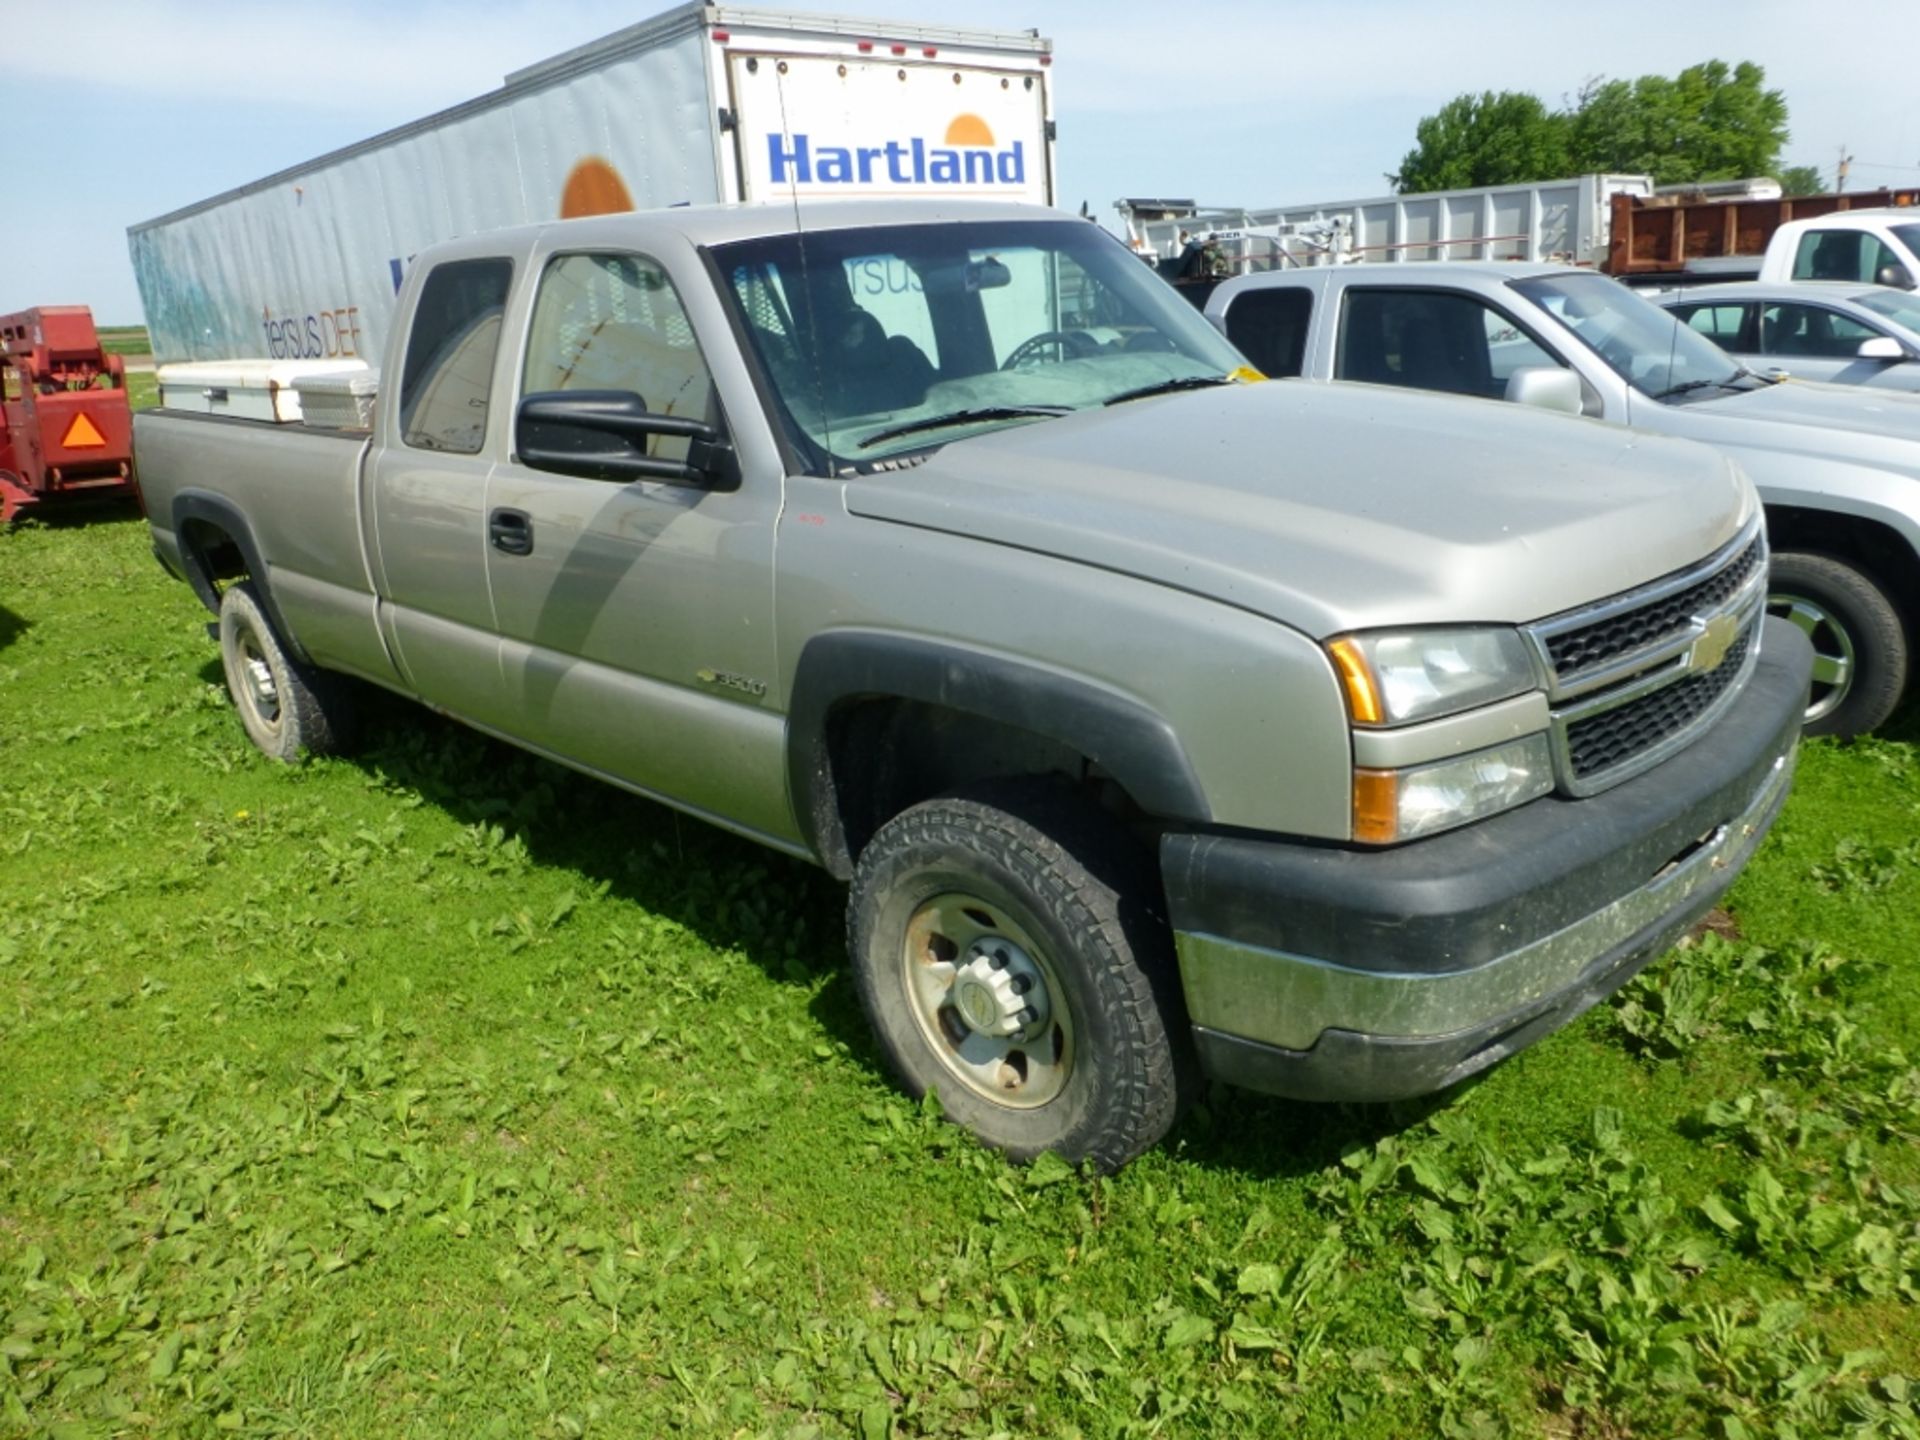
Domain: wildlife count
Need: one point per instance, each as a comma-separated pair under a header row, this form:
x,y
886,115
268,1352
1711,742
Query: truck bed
x,y
295,492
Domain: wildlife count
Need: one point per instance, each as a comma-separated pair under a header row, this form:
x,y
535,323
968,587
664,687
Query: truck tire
x,y
1007,949
287,708
1860,645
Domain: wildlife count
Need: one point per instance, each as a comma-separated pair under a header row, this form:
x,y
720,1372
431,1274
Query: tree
x,y
1801,180
1487,139
1710,122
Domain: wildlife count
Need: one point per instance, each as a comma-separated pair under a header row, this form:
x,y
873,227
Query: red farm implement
x,y
66,432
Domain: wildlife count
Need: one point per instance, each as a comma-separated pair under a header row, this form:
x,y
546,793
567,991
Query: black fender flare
x,y
223,514
1132,743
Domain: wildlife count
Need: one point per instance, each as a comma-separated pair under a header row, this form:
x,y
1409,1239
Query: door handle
x,y
511,531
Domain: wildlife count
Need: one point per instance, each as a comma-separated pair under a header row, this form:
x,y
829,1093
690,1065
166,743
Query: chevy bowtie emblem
x,y
1712,646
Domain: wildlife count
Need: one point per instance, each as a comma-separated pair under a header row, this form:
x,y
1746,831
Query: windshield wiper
x,y
1167,387
963,417
1687,387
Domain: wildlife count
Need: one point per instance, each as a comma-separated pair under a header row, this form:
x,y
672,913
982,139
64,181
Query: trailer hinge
x,y
727,121
1053,132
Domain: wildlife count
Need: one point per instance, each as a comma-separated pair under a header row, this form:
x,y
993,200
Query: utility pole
x,y
1840,183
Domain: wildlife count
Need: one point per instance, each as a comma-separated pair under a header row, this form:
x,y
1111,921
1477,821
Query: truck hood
x,y
1331,507
1870,426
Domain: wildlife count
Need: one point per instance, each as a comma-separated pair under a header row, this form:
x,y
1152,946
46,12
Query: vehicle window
x,y
882,340
1431,340
1841,255
615,322
1810,331
1648,347
1269,327
447,376
1900,306
1722,323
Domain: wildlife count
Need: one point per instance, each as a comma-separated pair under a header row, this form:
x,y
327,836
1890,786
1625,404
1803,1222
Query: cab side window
x,y
1725,325
1269,327
1811,331
1432,340
615,322
447,377
1840,255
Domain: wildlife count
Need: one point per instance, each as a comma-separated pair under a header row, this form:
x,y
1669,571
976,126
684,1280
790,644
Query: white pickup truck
x,y
1876,247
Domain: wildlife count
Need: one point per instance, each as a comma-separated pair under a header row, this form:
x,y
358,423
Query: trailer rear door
x,y
855,124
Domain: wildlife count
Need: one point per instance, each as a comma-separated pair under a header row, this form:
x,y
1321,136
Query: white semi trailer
x,y
700,104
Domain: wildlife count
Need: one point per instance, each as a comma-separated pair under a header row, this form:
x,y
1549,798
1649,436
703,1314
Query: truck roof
x,y
719,224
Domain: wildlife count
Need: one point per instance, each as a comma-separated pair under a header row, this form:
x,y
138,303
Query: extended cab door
x,y
429,490
637,616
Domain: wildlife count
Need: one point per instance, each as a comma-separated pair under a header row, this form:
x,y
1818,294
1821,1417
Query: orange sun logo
x,y
969,130
594,188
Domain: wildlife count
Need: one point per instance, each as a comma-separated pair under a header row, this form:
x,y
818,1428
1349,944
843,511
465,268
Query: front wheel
x,y
1859,643
1006,950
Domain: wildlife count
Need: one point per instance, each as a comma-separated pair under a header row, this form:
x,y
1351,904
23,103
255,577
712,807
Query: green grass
x,y
125,340
439,1092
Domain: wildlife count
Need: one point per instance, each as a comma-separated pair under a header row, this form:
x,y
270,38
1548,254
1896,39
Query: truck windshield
x,y
1900,306
888,339
1646,346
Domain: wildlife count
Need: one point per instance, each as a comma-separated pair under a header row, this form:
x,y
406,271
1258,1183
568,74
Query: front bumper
x,y
1333,974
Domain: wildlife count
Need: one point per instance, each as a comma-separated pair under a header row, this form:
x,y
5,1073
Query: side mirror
x,y
603,434
1898,276
1881,347
1547,386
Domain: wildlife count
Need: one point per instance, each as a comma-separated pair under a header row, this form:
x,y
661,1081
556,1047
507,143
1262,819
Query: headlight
x,y
1391,679
1394,805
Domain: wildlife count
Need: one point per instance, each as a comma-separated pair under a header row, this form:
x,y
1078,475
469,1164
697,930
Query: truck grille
x,y
1612,737
1636,677
1644,625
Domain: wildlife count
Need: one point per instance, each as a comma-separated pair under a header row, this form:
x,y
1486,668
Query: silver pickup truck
x,y
1839,469
1324,740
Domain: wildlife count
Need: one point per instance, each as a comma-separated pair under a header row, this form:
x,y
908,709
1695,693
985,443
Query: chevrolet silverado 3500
x,y
1329,740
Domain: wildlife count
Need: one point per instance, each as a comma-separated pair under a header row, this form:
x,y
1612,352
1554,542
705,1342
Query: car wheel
x,y
1859,643
1008,949
287,708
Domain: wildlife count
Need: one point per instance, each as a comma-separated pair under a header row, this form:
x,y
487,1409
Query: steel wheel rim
x,y
257,684
1834,665
987,1001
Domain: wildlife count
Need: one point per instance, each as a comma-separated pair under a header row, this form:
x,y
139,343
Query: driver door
x,y
636,617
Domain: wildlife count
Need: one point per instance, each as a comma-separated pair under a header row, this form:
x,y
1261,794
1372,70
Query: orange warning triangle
x,y
83,435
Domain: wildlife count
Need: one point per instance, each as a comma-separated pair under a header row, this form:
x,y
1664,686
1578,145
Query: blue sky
x,y
124,109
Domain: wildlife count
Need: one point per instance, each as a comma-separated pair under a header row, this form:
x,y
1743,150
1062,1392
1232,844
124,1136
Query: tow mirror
x,y
1546,386
603,435
1881,347
1898,276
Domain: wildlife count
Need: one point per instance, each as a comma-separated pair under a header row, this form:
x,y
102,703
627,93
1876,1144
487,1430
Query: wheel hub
x,y
987,1001
1833,657
999,991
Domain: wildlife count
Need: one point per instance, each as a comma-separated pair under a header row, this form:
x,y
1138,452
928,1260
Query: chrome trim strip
x,y
1288,1000
1442,739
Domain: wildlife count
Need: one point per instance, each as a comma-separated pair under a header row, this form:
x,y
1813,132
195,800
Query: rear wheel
x,y
1007,950
286,707
1859,643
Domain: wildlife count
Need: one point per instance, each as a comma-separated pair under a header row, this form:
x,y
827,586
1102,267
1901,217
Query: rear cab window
x,y
446,379
1269,326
